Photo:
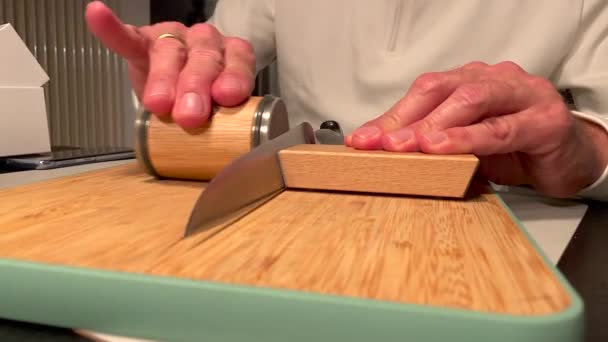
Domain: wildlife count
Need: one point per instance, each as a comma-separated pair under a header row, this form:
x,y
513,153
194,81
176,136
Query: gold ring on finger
x,y
170,35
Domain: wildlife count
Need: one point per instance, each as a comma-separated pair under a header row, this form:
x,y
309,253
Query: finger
x,y
426,93
237,80
122,39
529,131
365,138
473,102
401,140
205,62
167,58
468,104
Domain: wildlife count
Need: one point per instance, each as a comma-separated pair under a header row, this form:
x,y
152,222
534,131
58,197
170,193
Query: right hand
x,y
170,78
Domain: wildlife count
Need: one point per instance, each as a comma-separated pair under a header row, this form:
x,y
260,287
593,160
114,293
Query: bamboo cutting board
x,y
465,261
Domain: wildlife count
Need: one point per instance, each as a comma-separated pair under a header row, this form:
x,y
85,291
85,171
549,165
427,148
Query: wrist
x,y
593,140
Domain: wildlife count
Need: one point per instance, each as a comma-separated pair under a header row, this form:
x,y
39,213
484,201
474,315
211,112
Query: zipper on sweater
x,y
395,27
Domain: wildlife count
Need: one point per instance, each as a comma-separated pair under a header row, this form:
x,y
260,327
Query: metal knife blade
x,y
246,183
329,137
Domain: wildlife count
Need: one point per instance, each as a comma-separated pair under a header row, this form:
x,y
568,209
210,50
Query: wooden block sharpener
x,y
361,246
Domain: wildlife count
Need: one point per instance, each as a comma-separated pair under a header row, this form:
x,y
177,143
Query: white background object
x,y
24,125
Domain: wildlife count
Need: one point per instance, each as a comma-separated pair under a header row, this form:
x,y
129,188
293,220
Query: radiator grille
x,y
89,100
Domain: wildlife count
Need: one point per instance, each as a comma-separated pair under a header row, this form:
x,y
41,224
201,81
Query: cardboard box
x,y
24,125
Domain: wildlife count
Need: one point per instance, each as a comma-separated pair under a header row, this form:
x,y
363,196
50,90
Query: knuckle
x,y
509,66
241,49
165,47
499,128
540,83
193,80
475,65
204,35
464,134
428,124
390,120
471,95
203,30
239,44
161,76
209,56
428,82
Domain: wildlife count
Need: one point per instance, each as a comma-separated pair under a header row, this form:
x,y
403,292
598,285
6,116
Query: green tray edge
x,y
172,309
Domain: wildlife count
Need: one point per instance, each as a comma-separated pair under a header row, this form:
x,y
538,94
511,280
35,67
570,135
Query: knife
x,y
253,179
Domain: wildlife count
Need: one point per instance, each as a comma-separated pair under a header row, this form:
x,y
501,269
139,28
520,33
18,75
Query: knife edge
x,y
246,183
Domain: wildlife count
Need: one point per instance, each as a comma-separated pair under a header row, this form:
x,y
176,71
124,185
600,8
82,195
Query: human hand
x,y
516,123
179,77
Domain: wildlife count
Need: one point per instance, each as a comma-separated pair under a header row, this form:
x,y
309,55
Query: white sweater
x,y
350,60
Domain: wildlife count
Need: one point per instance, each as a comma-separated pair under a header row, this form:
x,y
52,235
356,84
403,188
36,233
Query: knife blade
x,y
246,183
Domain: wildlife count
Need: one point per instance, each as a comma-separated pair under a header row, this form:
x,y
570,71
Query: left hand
x,y
516,123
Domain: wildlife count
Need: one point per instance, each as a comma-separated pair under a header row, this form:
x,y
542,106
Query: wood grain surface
x,y
198,154
459,253
338,167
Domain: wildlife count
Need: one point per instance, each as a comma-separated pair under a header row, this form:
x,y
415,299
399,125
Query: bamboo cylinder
x,y
166,150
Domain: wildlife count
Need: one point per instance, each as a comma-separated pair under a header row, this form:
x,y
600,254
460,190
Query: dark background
x,y
188,12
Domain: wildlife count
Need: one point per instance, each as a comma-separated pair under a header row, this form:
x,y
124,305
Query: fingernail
x,y
160,88
436,137
401,136
366,132
348,140
191,104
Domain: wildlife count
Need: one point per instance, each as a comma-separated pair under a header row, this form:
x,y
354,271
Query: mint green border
x,y
171,309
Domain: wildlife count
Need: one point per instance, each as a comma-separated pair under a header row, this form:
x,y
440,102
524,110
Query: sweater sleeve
x,y
249,20
584,72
